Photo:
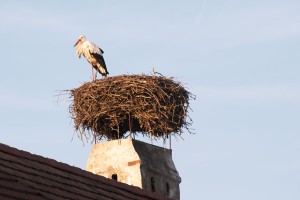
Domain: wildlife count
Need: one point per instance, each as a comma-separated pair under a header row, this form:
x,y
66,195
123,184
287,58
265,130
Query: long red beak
x,y
76,42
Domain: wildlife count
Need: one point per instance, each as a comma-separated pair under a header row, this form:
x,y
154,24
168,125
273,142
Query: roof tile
x,y
29,176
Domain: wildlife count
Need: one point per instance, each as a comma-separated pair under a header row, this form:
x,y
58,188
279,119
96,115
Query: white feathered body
x,y
93,54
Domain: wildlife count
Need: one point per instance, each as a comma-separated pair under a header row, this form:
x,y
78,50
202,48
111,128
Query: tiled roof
x,y
27,176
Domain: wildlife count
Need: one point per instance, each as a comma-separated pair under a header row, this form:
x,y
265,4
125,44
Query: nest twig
x,y
119,106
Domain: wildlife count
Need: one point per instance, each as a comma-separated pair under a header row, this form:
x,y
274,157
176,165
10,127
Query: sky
x,y
240,58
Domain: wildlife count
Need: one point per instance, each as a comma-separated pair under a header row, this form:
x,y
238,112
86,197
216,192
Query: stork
x,y
93,54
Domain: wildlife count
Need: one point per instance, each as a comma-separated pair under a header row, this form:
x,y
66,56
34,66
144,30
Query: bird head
x,y
80,39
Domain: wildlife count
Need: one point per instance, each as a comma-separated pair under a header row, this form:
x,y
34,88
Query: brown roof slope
x,y
27,176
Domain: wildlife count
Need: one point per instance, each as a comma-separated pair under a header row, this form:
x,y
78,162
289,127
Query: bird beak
x,y
76,42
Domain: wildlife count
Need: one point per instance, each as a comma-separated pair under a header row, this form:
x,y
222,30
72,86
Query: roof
x,y
27,176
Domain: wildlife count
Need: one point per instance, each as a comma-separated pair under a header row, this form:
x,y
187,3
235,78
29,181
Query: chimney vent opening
x,y
114,177
152,184
168,189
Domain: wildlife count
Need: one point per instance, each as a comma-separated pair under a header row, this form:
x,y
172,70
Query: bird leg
x,y
93,76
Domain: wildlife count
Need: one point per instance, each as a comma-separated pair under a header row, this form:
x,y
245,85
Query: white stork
x,y
93,55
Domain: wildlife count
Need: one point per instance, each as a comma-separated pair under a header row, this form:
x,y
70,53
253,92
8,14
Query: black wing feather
x,y
100,60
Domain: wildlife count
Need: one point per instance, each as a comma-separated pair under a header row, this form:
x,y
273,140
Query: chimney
x,y
136,163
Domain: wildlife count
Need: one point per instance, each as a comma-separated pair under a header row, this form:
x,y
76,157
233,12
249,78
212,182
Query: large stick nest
x,y
115,107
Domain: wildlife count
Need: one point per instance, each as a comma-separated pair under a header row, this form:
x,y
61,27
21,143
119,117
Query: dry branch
x,y
114,107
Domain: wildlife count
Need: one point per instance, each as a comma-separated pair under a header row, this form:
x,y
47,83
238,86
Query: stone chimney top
x,y
136,163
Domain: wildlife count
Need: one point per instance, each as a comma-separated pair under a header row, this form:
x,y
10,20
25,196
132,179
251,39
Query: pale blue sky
x,y
241,59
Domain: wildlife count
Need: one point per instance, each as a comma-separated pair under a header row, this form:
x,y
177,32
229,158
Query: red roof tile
x,y
27,176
